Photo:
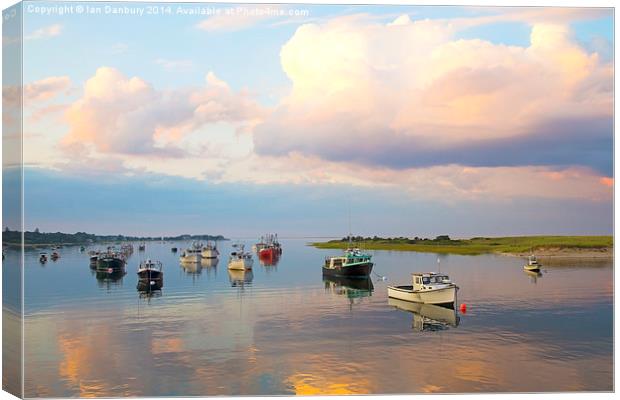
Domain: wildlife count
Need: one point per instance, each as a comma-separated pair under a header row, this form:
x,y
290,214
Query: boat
x,y
427,317
269,247
192,254
428,288
259,246
174,249
43,258
142,246
151,273
127,250
111,261
82,248
55,256
354,262
532,264
210,251
239,259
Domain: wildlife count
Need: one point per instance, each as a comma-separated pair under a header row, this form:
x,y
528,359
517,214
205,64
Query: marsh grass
x,y
479,245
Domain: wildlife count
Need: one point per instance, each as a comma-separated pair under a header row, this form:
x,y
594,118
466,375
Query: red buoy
x,y
463,308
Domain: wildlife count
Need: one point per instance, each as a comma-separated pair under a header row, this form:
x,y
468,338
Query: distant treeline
x,y
401,239
35,237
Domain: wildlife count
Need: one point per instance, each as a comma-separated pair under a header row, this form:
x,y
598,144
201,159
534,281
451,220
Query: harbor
x,y
287,328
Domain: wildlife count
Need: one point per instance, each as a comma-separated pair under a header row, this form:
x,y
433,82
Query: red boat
x,y
271,248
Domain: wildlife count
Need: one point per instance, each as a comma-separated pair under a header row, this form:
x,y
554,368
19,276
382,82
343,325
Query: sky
x,y
157,119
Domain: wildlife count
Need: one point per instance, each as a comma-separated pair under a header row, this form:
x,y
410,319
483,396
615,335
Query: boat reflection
x,y
240,278
427,317
269,259
209,262
191,268
352,288
533,275
146,290
109,280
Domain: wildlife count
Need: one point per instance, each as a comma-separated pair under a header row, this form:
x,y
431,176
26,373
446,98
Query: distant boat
x,y
428,288
174,249
269,248
43,258
55,256
110,262
210,251
354,262
151,273
192,254
82,248
142,246
239,259
532,264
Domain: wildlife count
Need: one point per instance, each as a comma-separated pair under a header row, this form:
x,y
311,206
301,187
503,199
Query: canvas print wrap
x,y
207,199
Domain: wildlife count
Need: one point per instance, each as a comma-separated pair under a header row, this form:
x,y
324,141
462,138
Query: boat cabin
x,y
532,260
428,280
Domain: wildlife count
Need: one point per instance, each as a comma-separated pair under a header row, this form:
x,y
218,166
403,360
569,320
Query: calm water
x,y
284,330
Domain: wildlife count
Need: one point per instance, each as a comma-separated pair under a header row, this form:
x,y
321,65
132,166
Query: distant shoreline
x,y
582,247
13,239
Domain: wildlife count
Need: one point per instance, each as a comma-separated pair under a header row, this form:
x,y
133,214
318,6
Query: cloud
x,y
122,115
45,32
35,92
407,94
46,89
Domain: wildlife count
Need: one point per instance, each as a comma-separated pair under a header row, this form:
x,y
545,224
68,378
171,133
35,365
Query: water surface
x,y
282,329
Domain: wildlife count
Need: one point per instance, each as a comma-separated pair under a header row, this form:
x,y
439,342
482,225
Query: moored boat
x,y
428,288
239,259
151,272
43,258
532,264
110,261
353,263
210,251
269,247
192,254
55,256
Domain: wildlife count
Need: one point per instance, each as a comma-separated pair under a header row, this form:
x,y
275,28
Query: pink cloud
x,y
408,94
122,115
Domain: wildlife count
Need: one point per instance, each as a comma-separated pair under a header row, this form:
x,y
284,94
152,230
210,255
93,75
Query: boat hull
x,y
240,264
150,275
210,253
354,270
110,263
444,296
532,268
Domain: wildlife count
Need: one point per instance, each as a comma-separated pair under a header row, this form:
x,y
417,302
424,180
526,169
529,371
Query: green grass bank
x,y
516,245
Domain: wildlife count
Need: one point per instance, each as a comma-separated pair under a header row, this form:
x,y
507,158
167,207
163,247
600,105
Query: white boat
x,y
239,259
532,264
193,254
428,288
210,251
